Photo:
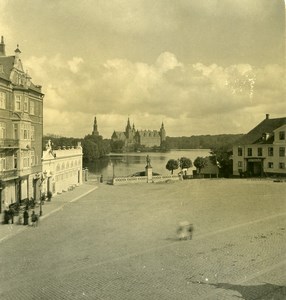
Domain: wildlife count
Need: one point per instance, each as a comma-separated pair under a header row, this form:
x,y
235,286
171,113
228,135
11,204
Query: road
x,y
119,242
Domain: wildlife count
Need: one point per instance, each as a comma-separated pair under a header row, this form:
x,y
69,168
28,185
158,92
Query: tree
x,y
200,163
185,163
221,156
172,165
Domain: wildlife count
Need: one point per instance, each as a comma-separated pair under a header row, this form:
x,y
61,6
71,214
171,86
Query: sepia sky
x,y
200,66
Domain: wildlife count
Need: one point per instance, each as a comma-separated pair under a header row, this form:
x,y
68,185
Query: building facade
x,y
21,131
62,169
147,138
261,152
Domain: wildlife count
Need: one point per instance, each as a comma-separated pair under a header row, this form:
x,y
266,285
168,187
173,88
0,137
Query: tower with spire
x,y
95,130
162,134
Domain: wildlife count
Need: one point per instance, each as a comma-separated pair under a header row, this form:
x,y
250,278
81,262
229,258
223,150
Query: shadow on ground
x,y
264,291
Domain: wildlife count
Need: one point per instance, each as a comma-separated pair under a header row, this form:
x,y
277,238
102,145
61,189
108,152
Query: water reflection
x,y
125,164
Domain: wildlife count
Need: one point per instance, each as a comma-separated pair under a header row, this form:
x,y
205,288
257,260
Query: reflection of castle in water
x,y
147,138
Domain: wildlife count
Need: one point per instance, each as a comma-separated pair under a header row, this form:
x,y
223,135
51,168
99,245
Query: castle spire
x,y
95,130
2,47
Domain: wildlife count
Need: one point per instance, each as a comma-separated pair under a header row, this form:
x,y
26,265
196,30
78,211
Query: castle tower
x,y
128,129
162,133
95,131
2,47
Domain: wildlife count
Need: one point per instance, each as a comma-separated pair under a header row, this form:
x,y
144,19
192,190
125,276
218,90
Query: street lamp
x,y
42,178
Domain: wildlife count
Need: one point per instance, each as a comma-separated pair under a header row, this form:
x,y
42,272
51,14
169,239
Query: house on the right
x,y
261,152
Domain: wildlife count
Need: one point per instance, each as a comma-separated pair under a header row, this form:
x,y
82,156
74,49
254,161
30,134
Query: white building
x,y
261,152
62,169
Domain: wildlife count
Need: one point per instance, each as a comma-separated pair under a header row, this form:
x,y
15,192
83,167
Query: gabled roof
x,y
266,126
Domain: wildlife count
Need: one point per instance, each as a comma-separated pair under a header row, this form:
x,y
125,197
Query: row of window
x,y
67,165
66,175
260,151
270,165
27,131
27,157
21,103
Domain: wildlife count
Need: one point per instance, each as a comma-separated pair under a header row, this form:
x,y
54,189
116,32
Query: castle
x,y
144,138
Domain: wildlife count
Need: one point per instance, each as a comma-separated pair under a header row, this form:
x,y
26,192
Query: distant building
x,y
62,168
262,150
95,130
146,138
21,131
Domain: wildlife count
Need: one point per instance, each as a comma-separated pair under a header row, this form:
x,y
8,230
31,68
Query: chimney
x,y
267,116
2,47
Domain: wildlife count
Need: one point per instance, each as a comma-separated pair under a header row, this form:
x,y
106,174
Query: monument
x,y
148,169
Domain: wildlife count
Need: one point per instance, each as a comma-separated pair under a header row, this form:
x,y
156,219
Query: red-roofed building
x,y
261,152
21,131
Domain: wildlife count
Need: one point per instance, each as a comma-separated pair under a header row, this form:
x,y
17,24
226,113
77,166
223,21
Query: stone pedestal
x,y
148,173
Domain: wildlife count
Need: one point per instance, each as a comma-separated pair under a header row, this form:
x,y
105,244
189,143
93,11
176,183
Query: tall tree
x,y
221,156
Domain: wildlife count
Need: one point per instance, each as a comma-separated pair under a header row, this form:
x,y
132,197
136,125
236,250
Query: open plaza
x,y
120,242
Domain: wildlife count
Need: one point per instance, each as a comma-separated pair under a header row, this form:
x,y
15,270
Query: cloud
x,y
166,89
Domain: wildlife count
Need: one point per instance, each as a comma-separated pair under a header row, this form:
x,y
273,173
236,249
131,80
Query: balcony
x,y
15,144
9,144
8,174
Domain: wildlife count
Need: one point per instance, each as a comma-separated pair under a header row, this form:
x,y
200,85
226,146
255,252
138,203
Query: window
x,y
240,164
270,165
32,133
15,130
2,162
259,151
32,107
270,151
249,151
25,131
15,160
2,100
26,159
281,151
26,104
281,135
281,165
17,103
239,151
2,130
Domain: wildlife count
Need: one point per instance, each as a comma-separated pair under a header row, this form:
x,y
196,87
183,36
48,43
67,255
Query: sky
x,y
199,66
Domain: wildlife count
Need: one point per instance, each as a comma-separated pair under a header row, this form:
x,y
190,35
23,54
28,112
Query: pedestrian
x,y
11,214
34,218
185,230
26,217
6,216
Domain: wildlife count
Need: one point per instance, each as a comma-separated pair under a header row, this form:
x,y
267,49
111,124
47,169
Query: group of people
x,y
23,219
34,218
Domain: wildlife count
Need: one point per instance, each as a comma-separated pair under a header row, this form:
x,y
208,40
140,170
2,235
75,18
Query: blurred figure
x,y
35,219
26,217
185,230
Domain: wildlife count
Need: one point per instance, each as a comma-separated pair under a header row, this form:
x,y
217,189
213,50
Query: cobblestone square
x,y
120,242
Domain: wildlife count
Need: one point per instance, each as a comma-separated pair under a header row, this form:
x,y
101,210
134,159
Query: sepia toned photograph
x,y
142,149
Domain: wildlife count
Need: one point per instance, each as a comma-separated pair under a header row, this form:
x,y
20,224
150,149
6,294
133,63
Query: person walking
x,y
34,218
26,217
11,214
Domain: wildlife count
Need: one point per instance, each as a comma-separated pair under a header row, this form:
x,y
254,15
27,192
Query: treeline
x,y
202,141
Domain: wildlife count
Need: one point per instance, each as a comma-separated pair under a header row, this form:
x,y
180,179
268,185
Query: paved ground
x,y
119,242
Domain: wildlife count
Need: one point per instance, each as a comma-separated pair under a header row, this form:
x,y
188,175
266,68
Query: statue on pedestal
x,y
148,160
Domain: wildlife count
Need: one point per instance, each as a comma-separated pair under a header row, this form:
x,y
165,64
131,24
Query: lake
x,y
124,164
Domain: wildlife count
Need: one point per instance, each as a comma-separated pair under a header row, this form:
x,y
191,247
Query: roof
x,y
266,126
7,62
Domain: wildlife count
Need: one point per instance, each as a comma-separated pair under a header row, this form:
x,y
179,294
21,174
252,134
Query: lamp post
x,y
1,188
42,178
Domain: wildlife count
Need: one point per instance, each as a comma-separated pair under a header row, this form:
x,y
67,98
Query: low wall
x,y
143,179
